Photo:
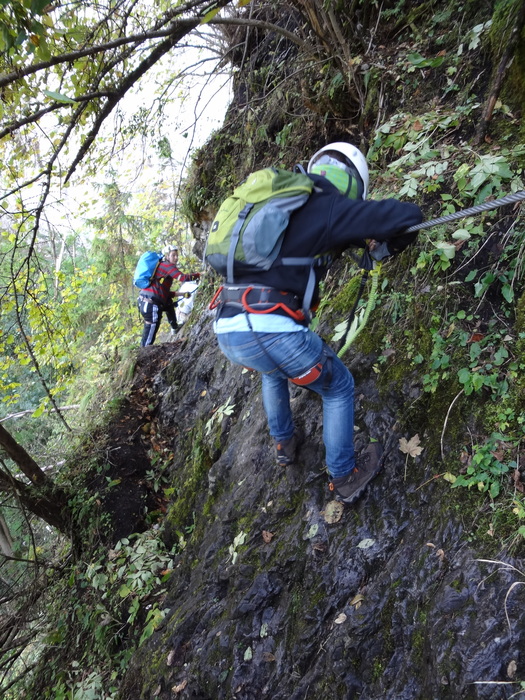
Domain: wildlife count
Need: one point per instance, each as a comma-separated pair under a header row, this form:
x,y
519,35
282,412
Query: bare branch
x,y
20,414
46,110
181,24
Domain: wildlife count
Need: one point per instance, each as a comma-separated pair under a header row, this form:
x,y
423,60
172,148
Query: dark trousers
x,y
151,312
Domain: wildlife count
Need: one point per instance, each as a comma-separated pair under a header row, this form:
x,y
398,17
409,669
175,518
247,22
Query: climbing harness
x,y
259,299
311,375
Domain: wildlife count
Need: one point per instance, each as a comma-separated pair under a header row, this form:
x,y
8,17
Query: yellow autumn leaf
x,y
410,447
210,15
180,687
333,512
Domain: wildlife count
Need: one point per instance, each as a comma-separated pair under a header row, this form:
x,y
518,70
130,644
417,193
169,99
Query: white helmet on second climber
x,y
344,166
168,249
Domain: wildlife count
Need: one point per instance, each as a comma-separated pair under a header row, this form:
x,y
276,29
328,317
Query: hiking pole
x,y
486,206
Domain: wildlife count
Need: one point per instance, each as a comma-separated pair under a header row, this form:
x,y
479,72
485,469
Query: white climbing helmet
x,y
346,157
168,249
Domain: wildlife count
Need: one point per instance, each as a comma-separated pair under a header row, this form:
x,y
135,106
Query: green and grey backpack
x,y
248,231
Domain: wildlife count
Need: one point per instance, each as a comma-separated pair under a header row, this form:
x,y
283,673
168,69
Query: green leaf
x,y
447,249
461,234
477,181
464,375
508,293
478,380
37,6
460,173
479,288
420,61
39,411
124,591
501,355
58,97
494,489
22,36
210,15
504,171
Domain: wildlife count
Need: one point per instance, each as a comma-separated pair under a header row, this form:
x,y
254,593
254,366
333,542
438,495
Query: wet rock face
x,y
269,600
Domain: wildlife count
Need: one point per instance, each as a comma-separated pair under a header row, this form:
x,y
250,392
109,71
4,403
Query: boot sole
x,y
357,494
284,462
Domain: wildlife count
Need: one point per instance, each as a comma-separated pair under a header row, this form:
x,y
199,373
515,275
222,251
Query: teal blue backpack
x,y
146,268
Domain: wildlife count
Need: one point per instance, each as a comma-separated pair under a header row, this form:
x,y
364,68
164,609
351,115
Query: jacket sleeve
x,y
173,272
166,269
351,222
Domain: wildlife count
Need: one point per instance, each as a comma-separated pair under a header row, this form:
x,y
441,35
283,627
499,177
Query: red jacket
x,y
160,289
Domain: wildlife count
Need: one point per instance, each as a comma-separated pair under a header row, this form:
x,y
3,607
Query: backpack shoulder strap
x,y
236,232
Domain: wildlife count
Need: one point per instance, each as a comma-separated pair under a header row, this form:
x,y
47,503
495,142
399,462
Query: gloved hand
x,y
379,251
195,276
399,243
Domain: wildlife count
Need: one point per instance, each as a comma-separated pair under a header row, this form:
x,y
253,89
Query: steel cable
x,y
486,206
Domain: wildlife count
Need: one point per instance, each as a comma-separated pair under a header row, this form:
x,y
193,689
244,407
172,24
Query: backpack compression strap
x,y
320,261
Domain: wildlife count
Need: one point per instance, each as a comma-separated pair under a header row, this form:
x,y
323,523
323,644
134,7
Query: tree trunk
x,y
22,459
43,498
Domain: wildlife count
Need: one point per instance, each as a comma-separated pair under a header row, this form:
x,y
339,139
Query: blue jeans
x,y
280,356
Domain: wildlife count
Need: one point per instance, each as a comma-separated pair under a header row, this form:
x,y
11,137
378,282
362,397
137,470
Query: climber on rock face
x,y
263,314
158,297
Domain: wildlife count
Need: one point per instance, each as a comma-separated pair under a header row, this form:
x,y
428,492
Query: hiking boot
x,y
286,449
348,488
